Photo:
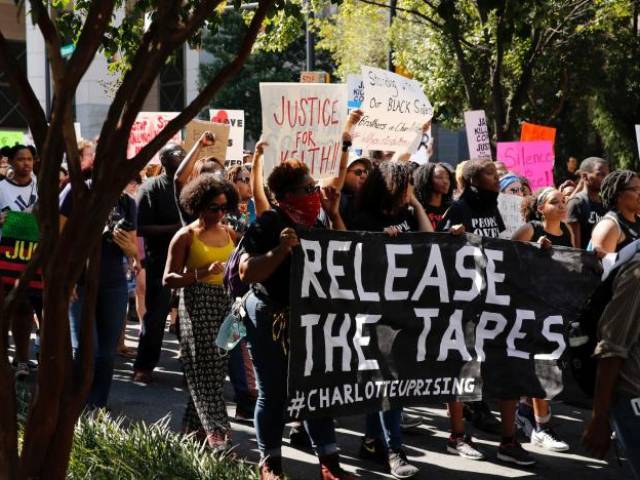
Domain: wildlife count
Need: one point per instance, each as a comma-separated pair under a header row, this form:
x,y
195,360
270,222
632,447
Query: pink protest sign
x,y
532,160
145,129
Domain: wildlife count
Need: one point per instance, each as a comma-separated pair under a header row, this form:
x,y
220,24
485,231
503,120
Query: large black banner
x,y
378,322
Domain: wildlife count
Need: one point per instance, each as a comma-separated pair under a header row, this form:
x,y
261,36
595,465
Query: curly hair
x,y
234,171
286,176
423,181
613,184
385,186
473,168
530,204
198,194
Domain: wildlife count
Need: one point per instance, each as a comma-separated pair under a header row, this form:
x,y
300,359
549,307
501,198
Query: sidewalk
x,y
425,447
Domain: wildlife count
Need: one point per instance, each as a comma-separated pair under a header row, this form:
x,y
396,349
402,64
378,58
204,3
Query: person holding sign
x,y
620,192
545,214
197,256
585,207
20,194
265,265
476,211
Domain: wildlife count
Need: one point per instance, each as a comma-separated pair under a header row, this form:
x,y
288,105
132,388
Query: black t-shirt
x,y
157,206
436,214
112,259
264,235
348,209
563,240
480,217
404,221
586,213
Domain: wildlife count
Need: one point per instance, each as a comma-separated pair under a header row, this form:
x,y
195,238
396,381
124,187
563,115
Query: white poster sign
x,y
145,129
477,134
355,87
510,210
395,109
235,120
304,121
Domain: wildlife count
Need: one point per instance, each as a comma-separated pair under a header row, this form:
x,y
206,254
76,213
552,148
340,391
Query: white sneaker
x,y
22,370
549,440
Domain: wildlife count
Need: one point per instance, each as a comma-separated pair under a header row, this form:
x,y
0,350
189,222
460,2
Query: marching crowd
x,y
196,236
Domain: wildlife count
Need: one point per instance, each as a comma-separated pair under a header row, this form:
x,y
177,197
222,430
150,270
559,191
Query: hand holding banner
x,y
303,121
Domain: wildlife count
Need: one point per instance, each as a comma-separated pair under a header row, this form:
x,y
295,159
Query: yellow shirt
x,y
201,254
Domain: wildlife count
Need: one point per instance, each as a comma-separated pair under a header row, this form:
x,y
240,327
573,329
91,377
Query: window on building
x,y
10,114
172,84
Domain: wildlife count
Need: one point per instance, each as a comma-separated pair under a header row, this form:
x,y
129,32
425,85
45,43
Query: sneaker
x,y
481,417
548,439
299,439
399,467
330,468
513,452
271,468
373,449
463,445
22,370
526,421
409,422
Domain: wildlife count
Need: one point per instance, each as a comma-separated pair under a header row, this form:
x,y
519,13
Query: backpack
x,y
234,286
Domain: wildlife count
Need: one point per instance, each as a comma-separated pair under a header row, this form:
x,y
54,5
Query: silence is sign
x,y
533,160
427,318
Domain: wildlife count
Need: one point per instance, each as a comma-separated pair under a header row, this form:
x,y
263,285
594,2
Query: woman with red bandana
x,y
265,265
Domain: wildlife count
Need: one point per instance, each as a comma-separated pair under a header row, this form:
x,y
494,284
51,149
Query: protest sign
x,y
428,318
477,134
314,77
9,138
145,129
304,121
235,120
638,138
355,87
531,132
510,211
532,160
20,236
78,130
395,109
195,129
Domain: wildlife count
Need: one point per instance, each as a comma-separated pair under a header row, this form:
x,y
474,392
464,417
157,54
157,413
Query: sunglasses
x,y
358,172
217,208
308,189
245,180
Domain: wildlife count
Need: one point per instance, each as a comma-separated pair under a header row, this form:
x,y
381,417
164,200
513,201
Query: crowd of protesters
x,y
169,238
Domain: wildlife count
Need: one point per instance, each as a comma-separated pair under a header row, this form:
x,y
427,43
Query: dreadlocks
x,y
613,184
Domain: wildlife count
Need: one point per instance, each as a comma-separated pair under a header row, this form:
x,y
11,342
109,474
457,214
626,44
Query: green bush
x,y
103,448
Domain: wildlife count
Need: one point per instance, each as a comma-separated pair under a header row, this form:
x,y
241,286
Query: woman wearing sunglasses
x,y
195,264
265,264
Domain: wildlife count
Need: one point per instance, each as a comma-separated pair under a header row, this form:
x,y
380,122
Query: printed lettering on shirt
x,y
23,205
594,218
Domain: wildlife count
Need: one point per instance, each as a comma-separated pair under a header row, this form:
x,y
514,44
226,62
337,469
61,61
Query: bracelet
x,y
346,145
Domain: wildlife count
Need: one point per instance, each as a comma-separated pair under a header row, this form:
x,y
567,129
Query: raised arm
x,y
183,173
257,179
338,182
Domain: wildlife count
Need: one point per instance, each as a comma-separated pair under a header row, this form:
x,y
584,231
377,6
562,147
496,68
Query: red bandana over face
x,y
303,210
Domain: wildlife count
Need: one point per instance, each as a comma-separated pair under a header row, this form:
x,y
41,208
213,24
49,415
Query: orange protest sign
x,y
531,132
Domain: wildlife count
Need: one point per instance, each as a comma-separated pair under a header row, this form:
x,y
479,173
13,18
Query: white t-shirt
x,y
18,198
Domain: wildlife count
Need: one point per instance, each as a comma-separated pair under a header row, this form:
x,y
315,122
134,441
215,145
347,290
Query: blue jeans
x,y
387,423
625,420
111,308
270,364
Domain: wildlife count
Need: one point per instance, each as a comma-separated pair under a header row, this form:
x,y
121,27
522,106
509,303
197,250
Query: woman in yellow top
x,y
197,256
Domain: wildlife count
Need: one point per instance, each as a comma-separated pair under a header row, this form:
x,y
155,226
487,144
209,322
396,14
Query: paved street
x,y
425,447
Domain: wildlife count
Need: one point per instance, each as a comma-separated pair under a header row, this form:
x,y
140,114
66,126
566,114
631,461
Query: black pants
x,y
157,301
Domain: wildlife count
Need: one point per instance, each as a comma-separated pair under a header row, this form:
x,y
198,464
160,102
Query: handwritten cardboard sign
x,y
235,120
531,132
510,207
145,129
195,129
532,160
477,134
355,87
395,109
314,77
304,121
